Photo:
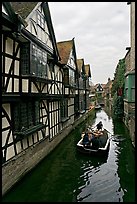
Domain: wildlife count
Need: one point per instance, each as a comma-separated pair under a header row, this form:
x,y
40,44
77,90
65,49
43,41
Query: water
x,y
69,176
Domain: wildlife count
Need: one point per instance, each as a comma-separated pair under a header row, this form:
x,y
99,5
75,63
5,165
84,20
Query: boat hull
x,y
101,150
98,107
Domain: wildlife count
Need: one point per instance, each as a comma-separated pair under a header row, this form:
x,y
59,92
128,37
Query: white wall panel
x,y
24,85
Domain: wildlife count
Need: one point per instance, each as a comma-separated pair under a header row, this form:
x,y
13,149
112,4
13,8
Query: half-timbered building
x,y
32,81
68,61
12,41
40,87
87,87
82,85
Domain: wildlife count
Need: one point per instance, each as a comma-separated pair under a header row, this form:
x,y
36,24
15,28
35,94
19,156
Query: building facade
x,y
40,88
129,90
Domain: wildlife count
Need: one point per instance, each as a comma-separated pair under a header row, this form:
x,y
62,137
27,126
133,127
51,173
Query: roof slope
x,y
80,63
23,8
87,70
64,49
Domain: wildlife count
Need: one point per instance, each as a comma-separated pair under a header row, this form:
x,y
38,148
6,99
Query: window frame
x,y
29,114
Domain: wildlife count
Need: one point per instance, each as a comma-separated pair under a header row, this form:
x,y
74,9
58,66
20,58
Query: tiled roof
x,y
23,8
103,85
64,49
80,63
109,83
87,70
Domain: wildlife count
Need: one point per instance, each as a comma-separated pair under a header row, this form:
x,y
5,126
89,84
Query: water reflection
x,y
67,175
106,181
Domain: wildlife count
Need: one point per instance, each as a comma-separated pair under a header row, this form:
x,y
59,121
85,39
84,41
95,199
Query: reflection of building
x,y
129,99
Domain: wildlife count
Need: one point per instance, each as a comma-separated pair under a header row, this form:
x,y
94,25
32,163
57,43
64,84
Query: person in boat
x,y
86,138
97,133
99,126
94,140
93,137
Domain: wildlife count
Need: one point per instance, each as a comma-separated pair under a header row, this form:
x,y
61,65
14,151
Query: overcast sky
x,y
101,31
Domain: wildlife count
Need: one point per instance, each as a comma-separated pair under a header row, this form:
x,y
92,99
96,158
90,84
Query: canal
x,y
67,175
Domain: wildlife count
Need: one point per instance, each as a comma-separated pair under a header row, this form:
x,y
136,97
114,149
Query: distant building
x,y
107,89
99,92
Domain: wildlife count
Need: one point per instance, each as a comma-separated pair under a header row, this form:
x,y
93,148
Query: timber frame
x,y
40,91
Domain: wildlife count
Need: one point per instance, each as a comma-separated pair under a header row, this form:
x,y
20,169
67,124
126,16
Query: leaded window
x,y
25,115
38,62
64,109
25,58
71,77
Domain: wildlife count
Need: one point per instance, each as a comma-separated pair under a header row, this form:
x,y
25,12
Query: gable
x,y
38,18
23,8
80,65
99,87
37,25
67,53
10,20
87,70
64,49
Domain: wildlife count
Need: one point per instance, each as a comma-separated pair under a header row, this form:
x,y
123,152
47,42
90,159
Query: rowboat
x,y
99,146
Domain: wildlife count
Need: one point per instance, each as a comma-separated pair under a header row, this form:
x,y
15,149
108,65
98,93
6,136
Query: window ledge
x,y
30,131
82,112
64,119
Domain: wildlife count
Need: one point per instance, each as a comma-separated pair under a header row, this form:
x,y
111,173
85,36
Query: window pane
x,y
71,77
133,81
25,115
133,95
39,62
25,58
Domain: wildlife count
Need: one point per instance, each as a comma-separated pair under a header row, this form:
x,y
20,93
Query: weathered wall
x,y
17,167
130,123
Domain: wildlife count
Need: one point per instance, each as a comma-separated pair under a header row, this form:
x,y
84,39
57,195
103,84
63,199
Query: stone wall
x,y
130,123
16,168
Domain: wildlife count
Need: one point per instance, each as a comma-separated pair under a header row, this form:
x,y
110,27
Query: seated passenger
x,y
95,141
99,126
85,140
